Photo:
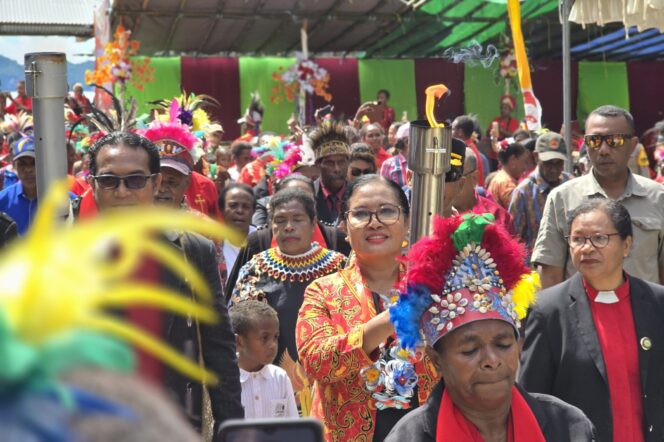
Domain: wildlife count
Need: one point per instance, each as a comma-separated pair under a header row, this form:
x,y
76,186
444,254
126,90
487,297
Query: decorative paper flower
x,y
116,65
303,75
400,377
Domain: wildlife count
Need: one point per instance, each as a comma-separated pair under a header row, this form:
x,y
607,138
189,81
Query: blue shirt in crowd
x,y
17,205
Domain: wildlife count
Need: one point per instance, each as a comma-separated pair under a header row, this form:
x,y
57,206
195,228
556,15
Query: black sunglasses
x,y
133,182
357,172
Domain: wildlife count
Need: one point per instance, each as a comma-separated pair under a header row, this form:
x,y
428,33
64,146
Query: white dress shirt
x,y
267,393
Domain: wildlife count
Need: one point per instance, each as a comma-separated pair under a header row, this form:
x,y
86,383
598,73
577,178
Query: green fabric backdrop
x,y
397,76
166,83
482,95
256,75
601,83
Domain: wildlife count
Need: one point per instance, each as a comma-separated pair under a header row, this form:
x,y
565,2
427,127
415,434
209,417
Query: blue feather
x,y
407,312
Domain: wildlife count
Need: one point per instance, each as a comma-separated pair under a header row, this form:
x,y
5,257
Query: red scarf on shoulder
x,y
452,425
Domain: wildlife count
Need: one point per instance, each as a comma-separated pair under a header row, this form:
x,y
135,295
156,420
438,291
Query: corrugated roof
x,y
47,17
361,28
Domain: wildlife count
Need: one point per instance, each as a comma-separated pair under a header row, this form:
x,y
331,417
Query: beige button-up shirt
x,y
644,200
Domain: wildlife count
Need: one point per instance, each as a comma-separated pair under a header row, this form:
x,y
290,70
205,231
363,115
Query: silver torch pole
x,y
46,83
429,153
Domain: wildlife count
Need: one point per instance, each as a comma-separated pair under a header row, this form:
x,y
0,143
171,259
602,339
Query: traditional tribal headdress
x,y
18,123
188,109
329,139
175,142
470,269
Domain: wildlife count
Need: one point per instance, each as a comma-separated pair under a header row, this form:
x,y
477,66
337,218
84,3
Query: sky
x,y
16,47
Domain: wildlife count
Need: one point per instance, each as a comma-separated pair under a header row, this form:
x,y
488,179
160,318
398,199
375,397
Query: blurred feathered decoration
x,y
188,109
119,118
253,116
58,282
18,123
469,269
285,158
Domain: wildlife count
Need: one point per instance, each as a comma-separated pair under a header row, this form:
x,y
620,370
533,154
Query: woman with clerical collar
x,y
465,291
597,339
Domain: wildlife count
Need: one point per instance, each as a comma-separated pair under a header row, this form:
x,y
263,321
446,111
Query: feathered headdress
x,y
175,142
470,269
253,116
58,284
329,139
285,159
117,119
188,109
18,123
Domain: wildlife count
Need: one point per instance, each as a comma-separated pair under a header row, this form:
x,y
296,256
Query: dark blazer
x,y
559,422
261,240
217,340
322,208
562,355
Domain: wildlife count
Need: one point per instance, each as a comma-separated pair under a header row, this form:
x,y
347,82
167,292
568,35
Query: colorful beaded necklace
x,y
310,265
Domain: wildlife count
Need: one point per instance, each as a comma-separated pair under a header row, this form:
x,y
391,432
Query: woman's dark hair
x,y
285,196
244,187
238,147
616,212
365,180
512,150
281,184
245,315
384,91
128,139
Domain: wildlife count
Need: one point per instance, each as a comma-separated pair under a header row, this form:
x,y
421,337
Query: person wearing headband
x,y
465,291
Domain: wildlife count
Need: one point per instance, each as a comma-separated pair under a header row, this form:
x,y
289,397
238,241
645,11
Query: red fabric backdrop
x,y
436,71
344,86
547,78
645,97
220,78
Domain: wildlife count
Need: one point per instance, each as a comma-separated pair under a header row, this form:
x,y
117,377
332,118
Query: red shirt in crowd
x,y
617,338
480,167
202,196
381,156
26,102
486,205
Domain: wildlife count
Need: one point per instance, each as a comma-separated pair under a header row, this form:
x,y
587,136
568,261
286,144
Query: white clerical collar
x,y
607,297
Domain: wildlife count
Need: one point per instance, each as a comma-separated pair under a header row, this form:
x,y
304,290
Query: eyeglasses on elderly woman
x,y
598,240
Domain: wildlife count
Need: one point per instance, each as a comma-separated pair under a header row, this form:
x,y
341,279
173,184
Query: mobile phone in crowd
x,y
271,430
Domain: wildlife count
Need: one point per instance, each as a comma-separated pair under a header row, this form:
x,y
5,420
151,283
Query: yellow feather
x,y
151,345
169,257
524,293
142,294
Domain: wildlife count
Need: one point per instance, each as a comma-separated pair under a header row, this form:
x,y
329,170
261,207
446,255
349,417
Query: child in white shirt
x,y
266,389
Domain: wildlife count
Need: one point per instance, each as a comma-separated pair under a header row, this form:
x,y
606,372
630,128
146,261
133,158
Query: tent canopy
x,y
366,28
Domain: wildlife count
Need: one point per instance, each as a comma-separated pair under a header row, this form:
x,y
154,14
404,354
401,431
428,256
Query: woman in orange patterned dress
x,y
363,381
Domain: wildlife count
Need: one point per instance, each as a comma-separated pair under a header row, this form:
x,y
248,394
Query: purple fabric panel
x,y
645,96
547,78
220,78
344,86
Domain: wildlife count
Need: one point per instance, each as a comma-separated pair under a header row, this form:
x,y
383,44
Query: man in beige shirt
x,y
610,141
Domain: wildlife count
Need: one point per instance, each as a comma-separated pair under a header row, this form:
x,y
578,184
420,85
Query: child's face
x,y
224,159
259,346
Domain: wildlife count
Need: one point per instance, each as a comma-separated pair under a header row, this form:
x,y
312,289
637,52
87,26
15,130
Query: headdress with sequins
x,y
469,270
329,139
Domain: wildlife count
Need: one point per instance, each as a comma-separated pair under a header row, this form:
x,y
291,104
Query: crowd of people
x,y
533,311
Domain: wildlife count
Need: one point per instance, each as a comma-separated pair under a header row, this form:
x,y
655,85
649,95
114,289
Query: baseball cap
x,y
24,147
551,146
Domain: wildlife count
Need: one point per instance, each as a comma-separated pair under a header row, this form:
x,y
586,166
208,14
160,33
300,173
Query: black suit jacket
x,y
559,422
562,355
322,209
217,340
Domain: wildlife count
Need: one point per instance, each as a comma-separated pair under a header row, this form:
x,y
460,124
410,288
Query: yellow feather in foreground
x,y
61,278
524,293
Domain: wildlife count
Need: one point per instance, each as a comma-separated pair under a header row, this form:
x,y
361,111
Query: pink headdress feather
x,y
172,131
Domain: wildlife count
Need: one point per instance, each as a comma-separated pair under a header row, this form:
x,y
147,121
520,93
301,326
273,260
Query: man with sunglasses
x,y
362,161
610,141
124,172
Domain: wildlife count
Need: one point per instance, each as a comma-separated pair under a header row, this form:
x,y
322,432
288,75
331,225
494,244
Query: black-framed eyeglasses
x,y
133,182
387,214
356,171
611,140
598,240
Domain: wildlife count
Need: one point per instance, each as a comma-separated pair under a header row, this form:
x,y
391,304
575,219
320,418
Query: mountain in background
x,y
11,72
